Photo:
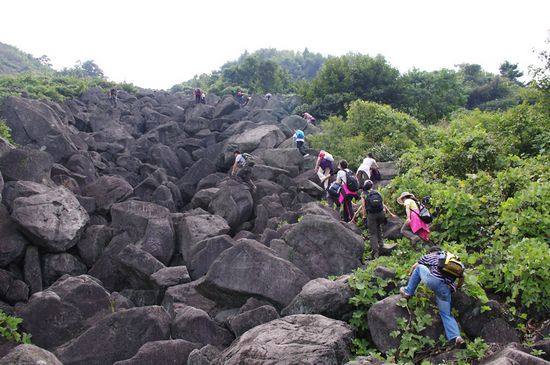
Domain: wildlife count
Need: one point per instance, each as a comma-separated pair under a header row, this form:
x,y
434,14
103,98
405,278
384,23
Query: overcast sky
x,y
159,43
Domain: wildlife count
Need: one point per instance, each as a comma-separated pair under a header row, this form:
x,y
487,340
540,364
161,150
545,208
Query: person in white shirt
x,y
243,170
364,171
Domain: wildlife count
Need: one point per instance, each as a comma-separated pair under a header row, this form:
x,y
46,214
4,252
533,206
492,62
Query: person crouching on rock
x,y
323,167
414,228
243,170
427,270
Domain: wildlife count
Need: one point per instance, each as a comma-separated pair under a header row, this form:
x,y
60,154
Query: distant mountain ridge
x,y
14,61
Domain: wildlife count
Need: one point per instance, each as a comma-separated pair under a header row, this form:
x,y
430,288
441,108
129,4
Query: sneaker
x,y
404,293
307,154
459,342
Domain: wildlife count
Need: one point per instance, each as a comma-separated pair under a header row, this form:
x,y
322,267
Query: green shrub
x,y
527,213
521,270
9,330
5,131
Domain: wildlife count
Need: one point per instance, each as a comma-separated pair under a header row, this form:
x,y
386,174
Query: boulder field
x,y
124,239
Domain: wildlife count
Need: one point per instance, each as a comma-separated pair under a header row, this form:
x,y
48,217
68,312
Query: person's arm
x,y
408,211
412,268
317,164
387,210
460,282
363,207
234,168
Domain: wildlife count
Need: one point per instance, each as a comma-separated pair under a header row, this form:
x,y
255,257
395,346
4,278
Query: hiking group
x,y
438,269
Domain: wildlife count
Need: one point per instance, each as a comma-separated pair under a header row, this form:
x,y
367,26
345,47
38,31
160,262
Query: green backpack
x,y
450,265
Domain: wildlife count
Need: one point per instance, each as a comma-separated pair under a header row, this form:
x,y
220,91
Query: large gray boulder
x,y
173,352
12,290
321,246
263,136
53,220
34,123
58,264
193,228
244,321
282,158
226,106
299,339
64,310
195,325
137,266
27,354
513,354
186,294
13,244
116,337
199,170
149,225
205,252
251,269
233,202
164,157
108,190
323,296
26,164
93,243
32,270
383,319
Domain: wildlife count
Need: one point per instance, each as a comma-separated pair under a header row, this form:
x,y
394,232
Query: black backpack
x,y
351,181
374,202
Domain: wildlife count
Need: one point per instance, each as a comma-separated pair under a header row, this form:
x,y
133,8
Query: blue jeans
x,y
442,298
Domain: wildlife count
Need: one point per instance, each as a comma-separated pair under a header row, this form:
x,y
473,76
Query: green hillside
x,y
14,61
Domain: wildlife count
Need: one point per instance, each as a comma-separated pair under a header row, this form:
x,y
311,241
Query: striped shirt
x,y
431,260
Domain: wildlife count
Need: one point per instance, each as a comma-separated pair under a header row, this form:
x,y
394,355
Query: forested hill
x,y
13,61
328,84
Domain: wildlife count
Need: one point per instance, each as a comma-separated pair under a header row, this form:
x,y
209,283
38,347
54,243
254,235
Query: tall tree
x,y
510,71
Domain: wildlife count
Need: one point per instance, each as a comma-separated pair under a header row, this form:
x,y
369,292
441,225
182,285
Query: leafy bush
x,y
5,131
369,126
520,269
527,214
9,330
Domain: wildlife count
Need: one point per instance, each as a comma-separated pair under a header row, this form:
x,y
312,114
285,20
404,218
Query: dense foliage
x,y
368,127
53,87
266,70
488,178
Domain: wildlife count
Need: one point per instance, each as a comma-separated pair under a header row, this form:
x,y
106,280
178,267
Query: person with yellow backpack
x,y
438,270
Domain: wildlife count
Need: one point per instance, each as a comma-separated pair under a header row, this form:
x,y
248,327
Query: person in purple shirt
x,y
426,270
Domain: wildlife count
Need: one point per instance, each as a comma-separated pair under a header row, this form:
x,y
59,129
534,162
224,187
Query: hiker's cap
x,y
403,196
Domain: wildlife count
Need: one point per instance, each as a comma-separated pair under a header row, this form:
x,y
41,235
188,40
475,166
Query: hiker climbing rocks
x,y
113,96
374,212
364,172
333,193
203,97
413,228
299,139
241,98
310,118
324,167
430,270
198,94
268,96
242,168
346,178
